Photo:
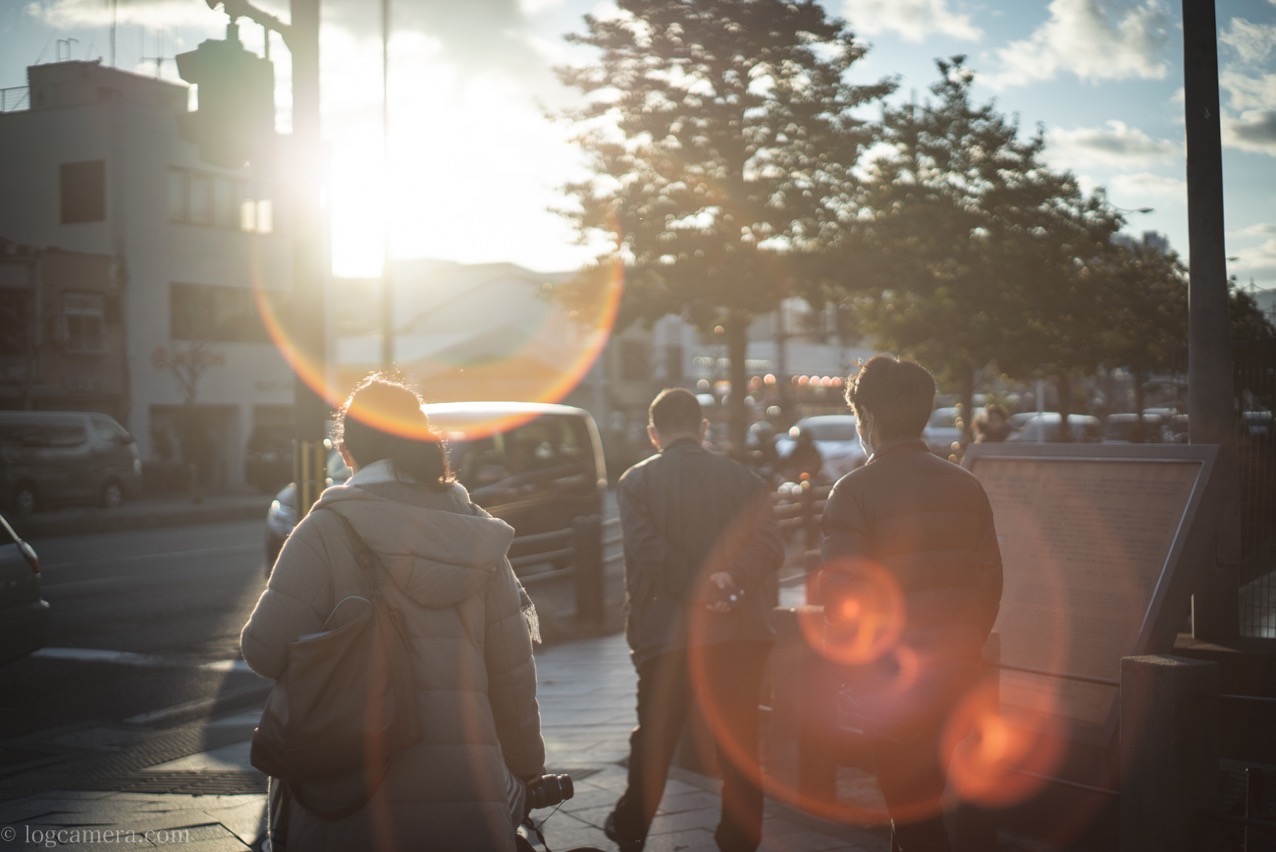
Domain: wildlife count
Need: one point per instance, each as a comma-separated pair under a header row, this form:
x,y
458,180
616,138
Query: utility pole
x,y
387,280
1210,398
311,262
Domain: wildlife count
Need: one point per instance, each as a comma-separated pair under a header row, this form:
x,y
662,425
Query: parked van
x,y
51,458
537,466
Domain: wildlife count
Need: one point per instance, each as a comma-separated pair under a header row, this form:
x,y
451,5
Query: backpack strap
x,y
363,554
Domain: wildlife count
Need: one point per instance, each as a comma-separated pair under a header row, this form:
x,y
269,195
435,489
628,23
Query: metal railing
x,y
15,98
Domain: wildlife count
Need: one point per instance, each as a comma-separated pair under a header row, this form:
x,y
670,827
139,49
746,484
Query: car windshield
x,y
832,429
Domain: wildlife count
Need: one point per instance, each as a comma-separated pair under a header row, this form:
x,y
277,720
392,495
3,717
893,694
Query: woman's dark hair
x,y
382,419
899,395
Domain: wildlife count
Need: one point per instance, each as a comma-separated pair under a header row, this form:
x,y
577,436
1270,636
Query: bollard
x,y
587,547
800,757
1169,745
810,522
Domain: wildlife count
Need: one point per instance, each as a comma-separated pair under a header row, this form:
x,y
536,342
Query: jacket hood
x,y
437,545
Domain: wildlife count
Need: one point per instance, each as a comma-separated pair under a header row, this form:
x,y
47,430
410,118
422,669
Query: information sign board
x,y
1102,546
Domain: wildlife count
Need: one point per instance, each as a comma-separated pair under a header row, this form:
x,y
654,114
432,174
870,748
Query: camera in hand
x,y
549,790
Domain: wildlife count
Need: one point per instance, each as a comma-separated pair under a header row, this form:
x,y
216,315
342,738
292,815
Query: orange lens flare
x,y
998,755
544,364
863,613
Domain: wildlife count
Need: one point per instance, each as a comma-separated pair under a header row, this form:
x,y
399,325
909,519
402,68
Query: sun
x,y
469,175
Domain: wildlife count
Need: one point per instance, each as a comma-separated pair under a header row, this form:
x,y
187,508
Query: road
x,y
171,599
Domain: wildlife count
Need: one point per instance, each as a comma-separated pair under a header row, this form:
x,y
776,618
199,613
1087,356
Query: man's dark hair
x,y
899,395
676,410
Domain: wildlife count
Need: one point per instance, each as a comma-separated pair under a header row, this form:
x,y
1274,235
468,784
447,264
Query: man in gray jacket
x,y
701,551
909,542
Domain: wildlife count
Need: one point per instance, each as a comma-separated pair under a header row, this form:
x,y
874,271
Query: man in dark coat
x,y
910,559
701,551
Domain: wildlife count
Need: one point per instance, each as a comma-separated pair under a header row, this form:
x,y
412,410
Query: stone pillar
x,y
1169,748
587,546
800,756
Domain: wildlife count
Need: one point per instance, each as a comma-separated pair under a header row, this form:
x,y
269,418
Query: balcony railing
x,y
15,98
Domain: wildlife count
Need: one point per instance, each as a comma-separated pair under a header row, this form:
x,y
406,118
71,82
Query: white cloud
x,y
1114,144
1252,42
1258,261
1149,187
912,20
1247,87
1261,230
1249,111
1092,39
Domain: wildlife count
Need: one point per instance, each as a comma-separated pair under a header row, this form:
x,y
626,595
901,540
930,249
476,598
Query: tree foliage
x,y
971,241
721,138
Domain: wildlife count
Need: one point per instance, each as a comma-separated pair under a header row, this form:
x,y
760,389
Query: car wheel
x,y
112,494
25,499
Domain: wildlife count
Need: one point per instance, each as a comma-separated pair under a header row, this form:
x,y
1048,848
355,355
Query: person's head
x,y
996,414
675,413
382,419
891,399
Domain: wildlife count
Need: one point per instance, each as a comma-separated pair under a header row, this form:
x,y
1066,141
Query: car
x,y
1130,428
24,615
942,434
537,466
1045,427
282,516
51,458
836,438
268,457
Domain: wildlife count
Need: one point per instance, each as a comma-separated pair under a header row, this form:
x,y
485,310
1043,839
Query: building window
x,y
204,198
15,322
635,361
673,364
83,189
217,314
201,200
84,313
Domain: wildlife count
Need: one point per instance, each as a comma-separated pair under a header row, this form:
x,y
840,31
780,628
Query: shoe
x,y
613,834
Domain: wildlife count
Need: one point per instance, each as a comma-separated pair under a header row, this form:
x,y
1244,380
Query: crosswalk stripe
x,y
129,658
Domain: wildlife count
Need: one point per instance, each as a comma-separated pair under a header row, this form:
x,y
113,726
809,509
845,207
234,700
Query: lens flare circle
x,y
544,364
998,755
863,615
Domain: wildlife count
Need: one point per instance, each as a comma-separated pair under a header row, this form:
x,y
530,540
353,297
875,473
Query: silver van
x,y
537,466
51,458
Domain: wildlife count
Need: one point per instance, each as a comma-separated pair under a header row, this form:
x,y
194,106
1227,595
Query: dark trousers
x,y
912,777
911,764
729,700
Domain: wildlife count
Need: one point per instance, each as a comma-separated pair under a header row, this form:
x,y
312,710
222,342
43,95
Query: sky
x,y
471,168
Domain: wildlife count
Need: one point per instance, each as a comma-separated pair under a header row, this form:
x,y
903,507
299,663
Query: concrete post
x,y
1169,751
800,757
587,547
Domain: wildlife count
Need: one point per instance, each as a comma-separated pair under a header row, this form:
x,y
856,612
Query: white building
x,y
91,162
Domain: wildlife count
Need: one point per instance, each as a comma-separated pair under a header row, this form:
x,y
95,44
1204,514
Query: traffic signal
x,y
235,121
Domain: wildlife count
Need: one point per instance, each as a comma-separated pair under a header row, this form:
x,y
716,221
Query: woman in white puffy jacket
x,y
468,620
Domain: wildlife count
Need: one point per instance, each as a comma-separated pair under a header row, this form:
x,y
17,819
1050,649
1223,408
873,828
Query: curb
x,y
68,522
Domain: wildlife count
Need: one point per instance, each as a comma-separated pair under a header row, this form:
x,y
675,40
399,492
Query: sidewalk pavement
x,y
586,692
97,786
